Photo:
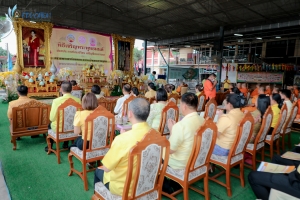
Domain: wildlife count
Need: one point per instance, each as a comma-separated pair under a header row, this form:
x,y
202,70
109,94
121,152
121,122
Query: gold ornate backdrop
x,y
18,24
116,39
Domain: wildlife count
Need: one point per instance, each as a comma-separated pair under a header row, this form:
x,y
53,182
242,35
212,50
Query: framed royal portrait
x,y
33,44
123,53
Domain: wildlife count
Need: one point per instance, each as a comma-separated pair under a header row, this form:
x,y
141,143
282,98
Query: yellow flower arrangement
x,y
117,73
65,72
144,77
4,75
161,81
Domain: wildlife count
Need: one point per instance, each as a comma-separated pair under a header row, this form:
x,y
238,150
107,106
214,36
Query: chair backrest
x,y
265,127
30,117
108,104
125,105
65,113
146,156
102,130
210,109
281,120
77,93
174,98
292,117
201,102
170,111
183,90
244,131
204,143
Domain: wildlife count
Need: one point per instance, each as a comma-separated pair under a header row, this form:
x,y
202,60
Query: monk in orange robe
x,y
244,90
255,92
268,90
296,91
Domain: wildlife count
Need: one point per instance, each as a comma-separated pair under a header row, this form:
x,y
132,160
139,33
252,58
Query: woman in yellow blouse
x,y
151,91
276,104
154,117
89,104
198,89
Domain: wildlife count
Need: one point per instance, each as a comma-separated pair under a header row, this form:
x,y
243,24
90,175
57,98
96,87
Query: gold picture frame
x,y
46,28
121,45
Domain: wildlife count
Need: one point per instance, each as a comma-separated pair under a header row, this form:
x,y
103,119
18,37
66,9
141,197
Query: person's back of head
x,y
161,95
276,98
275,90
244,85
73,82
66,87
89,101
126,88
96,89
191,100
235,90
236,100
285,94
263,102
154,72
199,87
152,86
168,88
138,110
261,90
22,90
135,91
173,87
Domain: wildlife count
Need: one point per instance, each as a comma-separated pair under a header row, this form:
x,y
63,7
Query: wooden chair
x,y
236,154
147,181
286,129
198,164
259,142
77,93
210,109
64,130
125,105
201,102
108,104
31,118
174,98
170,111
102,130
270,139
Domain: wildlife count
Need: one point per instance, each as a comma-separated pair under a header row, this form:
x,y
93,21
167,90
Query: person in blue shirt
x,y
152,77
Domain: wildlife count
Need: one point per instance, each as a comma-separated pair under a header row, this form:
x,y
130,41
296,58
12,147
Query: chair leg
x,y
84,176
282,142
254,161
49,145
58,152
242,174
228,184
206,190
71,164
14,142
277,147
186,190
271,150
263,153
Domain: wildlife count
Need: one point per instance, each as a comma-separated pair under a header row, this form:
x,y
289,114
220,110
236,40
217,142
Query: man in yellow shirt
x,y
115,163
226,84
183,132
65,89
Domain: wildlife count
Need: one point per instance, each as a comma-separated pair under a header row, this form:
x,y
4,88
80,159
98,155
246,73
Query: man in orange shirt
x,y
268,90
210,87
244,90
255,92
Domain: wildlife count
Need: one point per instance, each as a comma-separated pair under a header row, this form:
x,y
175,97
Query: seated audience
x,y
268,90
233,90
255,91
261,90
276,105
286,96
168,88
178,90
135,91
198,89
115,163
74,83
156,108
173,89
97,91
183,132
65,89
239,86
296,91
262,182
275,90
89,104
151,91
244,90
119,105
227,124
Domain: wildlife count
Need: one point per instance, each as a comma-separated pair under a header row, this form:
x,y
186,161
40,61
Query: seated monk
x,y
255,91
261,90
244,90
296,91
178,90
115,163
268,90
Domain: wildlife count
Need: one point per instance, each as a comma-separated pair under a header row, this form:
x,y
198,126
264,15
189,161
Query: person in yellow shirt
x,y
183,132
65,89
226,84
115,163
198,89
151,91
89,104
227,124
276,104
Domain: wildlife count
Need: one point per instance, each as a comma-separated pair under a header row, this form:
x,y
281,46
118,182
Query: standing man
x,y
226,84
151,77
210,87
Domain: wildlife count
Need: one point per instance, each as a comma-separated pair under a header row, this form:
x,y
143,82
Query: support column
x,y
263,50
145,57
221,57
152,62
210,50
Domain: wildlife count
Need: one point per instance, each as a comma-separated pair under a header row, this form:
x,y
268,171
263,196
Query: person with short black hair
x,y
115,163
275,90
198,89
97,91
119,105
226,84
135,91
183,132
151,91
151,77
156,108
227,124
73,82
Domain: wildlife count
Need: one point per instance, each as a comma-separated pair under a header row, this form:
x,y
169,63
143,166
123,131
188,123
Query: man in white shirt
x,y
119,105
286,96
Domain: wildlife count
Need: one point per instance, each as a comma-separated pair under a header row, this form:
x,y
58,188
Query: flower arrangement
x,y
117,73
144,77
64,72
161,81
